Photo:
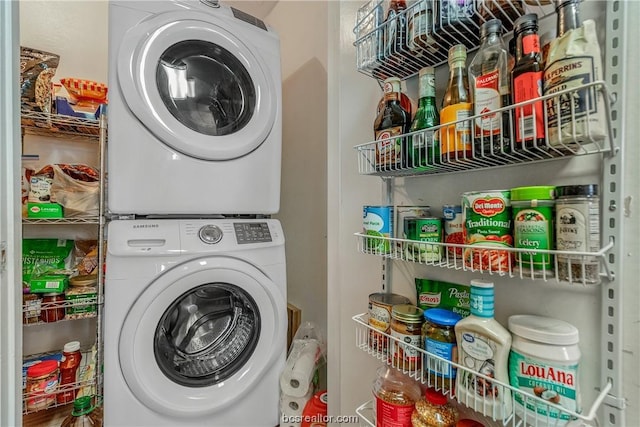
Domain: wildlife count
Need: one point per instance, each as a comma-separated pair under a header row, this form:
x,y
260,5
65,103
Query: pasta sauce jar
x,y
406,327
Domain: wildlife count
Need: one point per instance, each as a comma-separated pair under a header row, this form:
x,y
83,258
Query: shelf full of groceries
x,y
535,232
505,106
449,353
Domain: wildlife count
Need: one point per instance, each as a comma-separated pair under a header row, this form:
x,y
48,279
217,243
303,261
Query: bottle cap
x,y
562,3
577,190
540,192
434,396
526,22
427,71
457,53
392,84
71,346
490,27
442,316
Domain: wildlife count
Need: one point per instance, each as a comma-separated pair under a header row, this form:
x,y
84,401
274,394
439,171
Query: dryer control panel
x,y
252,232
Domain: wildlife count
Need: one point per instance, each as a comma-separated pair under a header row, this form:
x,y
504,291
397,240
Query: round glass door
x,y
207,335
206,88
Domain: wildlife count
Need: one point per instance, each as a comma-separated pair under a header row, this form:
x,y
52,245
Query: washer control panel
x,y
252,232
210,234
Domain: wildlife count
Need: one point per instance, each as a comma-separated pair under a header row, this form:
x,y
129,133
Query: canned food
x,y
421,232
487,222
404,212
406,327
377,222
453,228
380,305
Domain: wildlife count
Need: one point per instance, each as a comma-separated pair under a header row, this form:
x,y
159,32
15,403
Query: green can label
x,y
533,230
421,232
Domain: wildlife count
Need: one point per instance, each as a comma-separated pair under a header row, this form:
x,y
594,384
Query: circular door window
x,y
206,88
207,335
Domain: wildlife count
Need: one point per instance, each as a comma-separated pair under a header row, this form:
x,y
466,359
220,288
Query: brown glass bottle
x,y
526,84
391,121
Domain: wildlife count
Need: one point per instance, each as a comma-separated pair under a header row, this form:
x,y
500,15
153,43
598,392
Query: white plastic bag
x,y
79,198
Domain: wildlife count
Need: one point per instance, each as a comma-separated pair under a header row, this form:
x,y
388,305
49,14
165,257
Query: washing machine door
x,y
196,86
201,335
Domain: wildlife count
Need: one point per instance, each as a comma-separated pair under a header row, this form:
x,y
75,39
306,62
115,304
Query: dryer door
x,y
201,335
196,86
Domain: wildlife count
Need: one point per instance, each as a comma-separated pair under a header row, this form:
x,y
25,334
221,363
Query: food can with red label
x,y
487,223
453,228
380,305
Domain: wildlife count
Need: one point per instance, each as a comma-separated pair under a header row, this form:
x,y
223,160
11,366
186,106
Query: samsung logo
x,y
146,226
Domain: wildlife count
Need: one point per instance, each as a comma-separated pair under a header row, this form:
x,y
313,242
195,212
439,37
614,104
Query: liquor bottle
x,y
391,121
526,84
425,150
455,21
489,82
455,140
396,33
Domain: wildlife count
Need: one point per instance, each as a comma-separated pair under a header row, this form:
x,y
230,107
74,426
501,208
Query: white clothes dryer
x,y
195,116
195,322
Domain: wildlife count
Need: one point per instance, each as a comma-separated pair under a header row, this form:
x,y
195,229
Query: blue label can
x,y
377,222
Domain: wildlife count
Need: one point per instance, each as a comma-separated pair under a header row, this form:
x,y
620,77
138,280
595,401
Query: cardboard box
x,y
48,283
65,108
44,210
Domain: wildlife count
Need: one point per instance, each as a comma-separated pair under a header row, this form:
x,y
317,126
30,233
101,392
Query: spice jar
x,y
42,382
434,410
533,228
440,340
406,327
395,396
52,307
578,230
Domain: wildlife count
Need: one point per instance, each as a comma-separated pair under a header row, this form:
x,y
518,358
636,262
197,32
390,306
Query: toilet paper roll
x,y
295,405
296,379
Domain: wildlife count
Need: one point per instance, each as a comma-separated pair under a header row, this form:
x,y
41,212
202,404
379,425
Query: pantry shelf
x,y
378,344
566,135
83,220
82,308
585,268
427,43
49,125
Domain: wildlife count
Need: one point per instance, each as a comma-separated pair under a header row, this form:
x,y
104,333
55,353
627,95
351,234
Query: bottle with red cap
x,y
434,410
315,411
69,365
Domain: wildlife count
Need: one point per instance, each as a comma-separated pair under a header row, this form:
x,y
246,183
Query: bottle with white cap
x,y
483,348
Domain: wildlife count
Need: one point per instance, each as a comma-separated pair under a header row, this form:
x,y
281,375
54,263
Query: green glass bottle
x,y
425,149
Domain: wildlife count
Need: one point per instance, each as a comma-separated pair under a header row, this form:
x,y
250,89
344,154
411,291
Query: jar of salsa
x,y
440,340
52,307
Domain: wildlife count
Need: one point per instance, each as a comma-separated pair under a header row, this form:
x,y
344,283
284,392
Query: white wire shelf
x,y
507,395
365,412
428,43
84,307
586,268
571,136
47,124
80,220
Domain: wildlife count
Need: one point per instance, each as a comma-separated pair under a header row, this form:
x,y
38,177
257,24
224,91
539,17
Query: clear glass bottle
x,y
425,149
83,414
489,80
391,121
526,84
455,140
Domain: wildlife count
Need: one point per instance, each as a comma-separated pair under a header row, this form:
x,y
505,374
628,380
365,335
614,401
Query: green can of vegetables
x,y
533,213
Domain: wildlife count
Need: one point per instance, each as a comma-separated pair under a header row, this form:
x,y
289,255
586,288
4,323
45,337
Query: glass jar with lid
x,y
440,340
406,328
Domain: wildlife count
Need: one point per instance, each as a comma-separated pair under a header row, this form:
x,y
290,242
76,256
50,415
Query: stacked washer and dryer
x,y
195,293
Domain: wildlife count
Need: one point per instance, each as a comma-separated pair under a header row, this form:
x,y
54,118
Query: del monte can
x,y
487,223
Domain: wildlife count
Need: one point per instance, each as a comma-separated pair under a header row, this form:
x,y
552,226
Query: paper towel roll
x,y
291,405
296,379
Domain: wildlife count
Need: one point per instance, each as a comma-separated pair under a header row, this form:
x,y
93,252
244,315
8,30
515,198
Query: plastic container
x,y
545,355
84,414
439,338
395,398
533,217
578,230
42,383
434,410
315,411
483,348
69,365
406,326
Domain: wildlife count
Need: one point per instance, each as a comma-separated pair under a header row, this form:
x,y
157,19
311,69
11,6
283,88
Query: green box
x,y
48,283
82,302
44,210
439,294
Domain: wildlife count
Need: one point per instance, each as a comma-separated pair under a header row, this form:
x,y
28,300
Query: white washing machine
x,y
195,322
195,117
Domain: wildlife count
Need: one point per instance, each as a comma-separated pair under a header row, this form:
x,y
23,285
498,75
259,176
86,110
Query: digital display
x,y
252,232
243,16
